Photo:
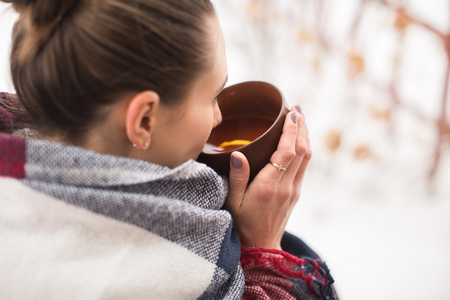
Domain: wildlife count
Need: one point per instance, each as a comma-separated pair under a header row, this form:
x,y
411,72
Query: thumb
x,y
239,174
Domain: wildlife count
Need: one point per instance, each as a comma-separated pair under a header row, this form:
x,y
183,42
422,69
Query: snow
x,y
378,221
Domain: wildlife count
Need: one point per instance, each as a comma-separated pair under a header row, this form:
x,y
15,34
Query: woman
x,y
110,202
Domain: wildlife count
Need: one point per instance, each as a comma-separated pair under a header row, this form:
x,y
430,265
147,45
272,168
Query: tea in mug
x,y
235,133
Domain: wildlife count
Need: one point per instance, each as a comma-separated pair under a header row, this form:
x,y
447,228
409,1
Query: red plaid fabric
x,y
12,157
12,114
7,119
273,274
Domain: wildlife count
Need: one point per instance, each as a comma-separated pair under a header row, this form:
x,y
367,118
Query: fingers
x,y
285,152
305,161
294,175
302,147
239,175
260,219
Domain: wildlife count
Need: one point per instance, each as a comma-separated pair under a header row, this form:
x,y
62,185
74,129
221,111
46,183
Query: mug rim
x,y
280,114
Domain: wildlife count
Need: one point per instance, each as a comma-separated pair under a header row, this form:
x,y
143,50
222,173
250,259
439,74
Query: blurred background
x,y
372,78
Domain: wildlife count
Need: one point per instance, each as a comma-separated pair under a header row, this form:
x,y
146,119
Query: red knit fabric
x,y
269,274
7,119
13,114
12,157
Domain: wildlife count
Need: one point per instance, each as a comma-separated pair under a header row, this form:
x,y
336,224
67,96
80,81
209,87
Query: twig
x,y
441,122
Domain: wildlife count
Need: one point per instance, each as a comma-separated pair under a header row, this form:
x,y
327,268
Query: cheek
x,y
202,124
208,123
217,116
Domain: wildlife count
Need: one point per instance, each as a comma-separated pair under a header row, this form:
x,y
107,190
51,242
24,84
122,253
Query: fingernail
x,y
294,117
236,162
298,108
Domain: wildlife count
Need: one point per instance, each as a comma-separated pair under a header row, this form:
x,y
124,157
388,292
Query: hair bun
x,y
18,2
42,10
37,22
22,2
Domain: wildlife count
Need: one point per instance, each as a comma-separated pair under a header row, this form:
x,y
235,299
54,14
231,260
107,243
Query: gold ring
x,y
279,167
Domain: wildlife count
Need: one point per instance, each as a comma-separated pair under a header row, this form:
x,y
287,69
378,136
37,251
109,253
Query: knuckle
x,y
237,177
285,194
288,155
302,119
308,154
290,130
295,193
269,191
301,148
234,180
293,129
301,122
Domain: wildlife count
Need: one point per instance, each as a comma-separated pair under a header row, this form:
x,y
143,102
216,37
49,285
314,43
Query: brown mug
x,y
253,115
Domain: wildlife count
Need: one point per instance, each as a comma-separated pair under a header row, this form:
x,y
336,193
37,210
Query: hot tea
x,y
253,116
234,133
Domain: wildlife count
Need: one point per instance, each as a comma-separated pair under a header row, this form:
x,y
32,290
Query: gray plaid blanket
x,y
97,226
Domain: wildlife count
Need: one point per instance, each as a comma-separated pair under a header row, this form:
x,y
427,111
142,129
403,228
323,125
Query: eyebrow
x,y
226,80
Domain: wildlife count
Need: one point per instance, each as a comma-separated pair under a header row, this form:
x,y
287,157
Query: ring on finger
x,y
279,167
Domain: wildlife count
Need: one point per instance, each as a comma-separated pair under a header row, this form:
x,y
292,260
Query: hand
x,y
261,210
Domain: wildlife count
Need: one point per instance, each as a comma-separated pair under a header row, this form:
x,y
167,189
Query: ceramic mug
x,y
253,115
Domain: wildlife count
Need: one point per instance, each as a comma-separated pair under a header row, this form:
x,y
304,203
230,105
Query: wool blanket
x,y
76,224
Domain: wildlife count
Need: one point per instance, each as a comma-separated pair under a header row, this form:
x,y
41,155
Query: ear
x,y
140,118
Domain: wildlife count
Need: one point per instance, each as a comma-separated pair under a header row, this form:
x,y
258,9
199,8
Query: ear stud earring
x,y
144,145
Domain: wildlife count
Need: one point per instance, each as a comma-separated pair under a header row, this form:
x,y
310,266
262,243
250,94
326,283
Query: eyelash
x,y
216,98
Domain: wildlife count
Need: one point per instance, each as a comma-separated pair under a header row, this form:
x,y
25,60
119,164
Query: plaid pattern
x,y
12,157
7,119
180,205
176,214
13,115
273,274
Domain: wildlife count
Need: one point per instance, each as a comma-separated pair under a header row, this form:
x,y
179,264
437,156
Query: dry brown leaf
x,y
446,131
381,114
402,21
316,64
333,140
356,64
397,61
304,36
258,10
252,7
362,152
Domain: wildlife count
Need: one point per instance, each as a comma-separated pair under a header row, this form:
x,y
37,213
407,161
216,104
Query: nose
x,y
217,115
